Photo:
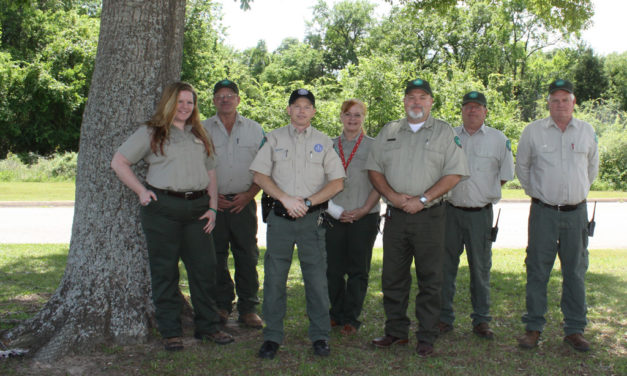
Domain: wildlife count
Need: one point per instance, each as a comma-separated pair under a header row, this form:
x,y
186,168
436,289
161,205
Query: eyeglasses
x,y
225,97
350,115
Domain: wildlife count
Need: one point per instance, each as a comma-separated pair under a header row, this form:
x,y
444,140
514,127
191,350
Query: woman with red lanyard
x,y
355,213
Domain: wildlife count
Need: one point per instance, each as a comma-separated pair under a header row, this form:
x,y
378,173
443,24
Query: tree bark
x,y
104,295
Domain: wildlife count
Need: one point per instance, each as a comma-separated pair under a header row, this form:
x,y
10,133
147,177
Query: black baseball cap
x,y
418,84
560,84
302,93
226,83
475,96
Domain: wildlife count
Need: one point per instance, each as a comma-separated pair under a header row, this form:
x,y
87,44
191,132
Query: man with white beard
x,y
413,162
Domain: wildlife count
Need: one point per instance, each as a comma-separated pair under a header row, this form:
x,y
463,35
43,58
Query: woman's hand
x,y
210,216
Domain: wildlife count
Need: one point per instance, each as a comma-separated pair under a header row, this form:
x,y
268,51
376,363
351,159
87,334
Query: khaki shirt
x,y
300,164
183,165
235,152
490,160
357,186
413,162
557,167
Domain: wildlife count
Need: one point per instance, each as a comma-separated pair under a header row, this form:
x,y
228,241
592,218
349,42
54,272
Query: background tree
x,y
339,32
105,292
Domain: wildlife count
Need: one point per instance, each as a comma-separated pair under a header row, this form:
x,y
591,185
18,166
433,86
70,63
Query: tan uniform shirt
x,y
235,152
557,167
300,164
490,160
357,186
413,162
183,165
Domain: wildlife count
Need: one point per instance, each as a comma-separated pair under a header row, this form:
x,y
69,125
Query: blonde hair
x,y
162,119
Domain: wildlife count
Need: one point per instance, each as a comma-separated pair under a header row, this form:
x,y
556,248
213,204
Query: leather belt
x,y
189,195
281,211
488,206
564,208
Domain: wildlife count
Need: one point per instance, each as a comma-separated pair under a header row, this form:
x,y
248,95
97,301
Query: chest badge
x,y
318,148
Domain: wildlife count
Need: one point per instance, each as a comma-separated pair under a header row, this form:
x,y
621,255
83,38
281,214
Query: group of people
x,y
323,195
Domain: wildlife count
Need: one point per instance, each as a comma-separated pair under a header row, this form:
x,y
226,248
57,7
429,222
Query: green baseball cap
x,y
226,83
418,84
475,96
560,84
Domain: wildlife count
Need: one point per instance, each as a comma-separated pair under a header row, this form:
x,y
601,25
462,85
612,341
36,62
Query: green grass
x,y
64,191
37,191
32,272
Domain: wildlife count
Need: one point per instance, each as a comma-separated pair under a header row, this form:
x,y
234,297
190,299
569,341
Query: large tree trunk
x,y
104,295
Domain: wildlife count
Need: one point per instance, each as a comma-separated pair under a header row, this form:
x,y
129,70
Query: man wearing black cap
x,y
412,163
236,140
469,212
297,167
556,164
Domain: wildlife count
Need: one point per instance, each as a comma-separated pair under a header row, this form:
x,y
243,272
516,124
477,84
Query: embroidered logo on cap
x,y
418,82
303,91
474,94
560,83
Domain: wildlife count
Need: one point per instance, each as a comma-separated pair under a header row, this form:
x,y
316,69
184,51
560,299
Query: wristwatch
x,y
307,203
423,199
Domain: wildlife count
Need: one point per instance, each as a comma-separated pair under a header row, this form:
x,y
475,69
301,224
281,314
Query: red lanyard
x,y
350,158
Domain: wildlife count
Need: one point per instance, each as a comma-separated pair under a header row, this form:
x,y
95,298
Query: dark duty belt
x,y
476,209
564,208
189,195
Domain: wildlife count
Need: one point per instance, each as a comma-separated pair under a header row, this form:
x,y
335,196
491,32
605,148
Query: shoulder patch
x,y
508,145
596,138
458,142
318,148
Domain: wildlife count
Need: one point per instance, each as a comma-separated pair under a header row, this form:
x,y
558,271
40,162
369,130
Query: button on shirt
x,y
557,167
357,186
490,161
300,164
183,165
413,162
235,152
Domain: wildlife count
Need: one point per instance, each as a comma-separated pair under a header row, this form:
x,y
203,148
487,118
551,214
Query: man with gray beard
x,y
413,162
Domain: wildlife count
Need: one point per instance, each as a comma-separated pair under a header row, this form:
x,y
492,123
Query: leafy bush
x,y
34,168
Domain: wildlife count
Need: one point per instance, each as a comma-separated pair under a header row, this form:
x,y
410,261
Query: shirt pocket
x,y
434,157
391,152
548,155
282,162
246,151
486,161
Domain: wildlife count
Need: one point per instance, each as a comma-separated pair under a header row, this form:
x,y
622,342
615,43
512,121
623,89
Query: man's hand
x,y
295,206
240,201
412,205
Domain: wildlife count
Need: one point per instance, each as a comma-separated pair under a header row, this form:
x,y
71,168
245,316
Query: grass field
x,y
31,273
64,191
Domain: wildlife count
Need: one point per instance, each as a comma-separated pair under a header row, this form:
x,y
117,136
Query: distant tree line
x,y
509,49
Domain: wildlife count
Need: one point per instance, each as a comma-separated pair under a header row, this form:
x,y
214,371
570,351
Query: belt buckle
x,y
189,195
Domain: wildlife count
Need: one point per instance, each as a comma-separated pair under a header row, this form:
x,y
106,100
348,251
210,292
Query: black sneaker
x,y
321,347
268,350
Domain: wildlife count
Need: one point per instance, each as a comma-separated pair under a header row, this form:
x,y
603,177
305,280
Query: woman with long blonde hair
x,y
178,210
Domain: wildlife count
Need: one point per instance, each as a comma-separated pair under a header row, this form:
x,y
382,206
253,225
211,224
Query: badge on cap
x,y
417,82
303,92
508,145
225,82
474,94
559,83
458,142
318,148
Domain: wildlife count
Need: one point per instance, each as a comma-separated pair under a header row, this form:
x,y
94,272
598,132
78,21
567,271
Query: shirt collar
x,y
480,130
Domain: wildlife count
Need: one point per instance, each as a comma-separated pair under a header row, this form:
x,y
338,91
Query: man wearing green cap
x,y
412,163
556,164
469,212
236,140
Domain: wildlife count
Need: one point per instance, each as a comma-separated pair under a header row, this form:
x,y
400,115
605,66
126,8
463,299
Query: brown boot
x,y
444,327
251,320
224,315
577,341
483,330
529,340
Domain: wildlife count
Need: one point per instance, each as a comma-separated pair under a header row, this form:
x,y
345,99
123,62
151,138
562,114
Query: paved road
x,y
53,224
